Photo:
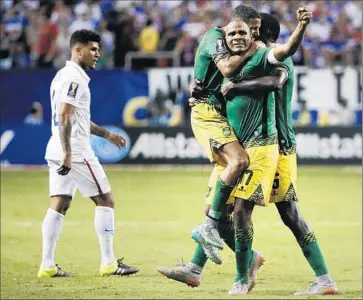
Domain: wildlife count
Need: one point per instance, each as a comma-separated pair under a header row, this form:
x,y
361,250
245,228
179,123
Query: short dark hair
x,y
244,13
84,36
270,28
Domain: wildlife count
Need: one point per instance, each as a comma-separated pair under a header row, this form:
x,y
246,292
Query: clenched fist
x,y
303,15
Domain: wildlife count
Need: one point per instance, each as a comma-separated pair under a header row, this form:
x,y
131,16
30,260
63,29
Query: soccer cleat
x,y
210,234
53,272
181,273
238,288
209,250
320,289
118,268
257,261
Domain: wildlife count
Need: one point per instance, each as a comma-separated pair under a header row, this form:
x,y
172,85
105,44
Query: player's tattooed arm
x,y
99,131
65,126
114,138
262,84
65,129
283,51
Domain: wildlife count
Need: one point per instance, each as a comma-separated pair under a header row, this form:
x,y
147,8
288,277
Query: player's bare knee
x,y
60,204
239,164
237,212
109,200
243,161
287,219
59,209
291,217
240,214
104,200
65,207
295,223
111,203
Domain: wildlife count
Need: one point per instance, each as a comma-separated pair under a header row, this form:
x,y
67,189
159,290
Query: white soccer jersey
x,y
70,85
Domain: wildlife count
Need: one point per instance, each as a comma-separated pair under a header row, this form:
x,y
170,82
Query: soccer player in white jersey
x,y
72,163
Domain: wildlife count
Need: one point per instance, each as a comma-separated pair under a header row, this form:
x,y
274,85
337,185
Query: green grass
x,y
155,212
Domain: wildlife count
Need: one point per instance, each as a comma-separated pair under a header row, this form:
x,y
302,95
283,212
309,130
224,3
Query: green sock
x,y
313,255
226,232
221,195
243,244
199,257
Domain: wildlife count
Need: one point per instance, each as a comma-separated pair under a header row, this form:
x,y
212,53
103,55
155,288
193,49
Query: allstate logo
x,y
108,152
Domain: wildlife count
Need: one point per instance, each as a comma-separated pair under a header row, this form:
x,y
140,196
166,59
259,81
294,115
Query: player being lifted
x,y
284,193
252,117
213,61
72,163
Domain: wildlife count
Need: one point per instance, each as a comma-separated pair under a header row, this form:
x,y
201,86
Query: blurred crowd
x,y
35,33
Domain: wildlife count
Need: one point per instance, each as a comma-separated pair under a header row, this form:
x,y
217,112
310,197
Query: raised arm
x,y
283,51
66,114
262,84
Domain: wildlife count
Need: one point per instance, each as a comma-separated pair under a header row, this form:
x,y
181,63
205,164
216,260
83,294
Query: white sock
x,y
105,228
51,229
323,279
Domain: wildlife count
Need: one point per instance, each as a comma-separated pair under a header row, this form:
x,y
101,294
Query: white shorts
x,y
88,177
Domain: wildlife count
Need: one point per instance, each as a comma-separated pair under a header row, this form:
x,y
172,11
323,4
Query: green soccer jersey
x,y
211,49
283,97
252,115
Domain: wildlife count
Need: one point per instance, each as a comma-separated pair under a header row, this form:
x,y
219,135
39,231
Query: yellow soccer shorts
x,y
285,183
256,183
211,130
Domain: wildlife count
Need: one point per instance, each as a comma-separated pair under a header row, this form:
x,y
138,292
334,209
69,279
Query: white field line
x,y
352,169
163,168
168,224
130,167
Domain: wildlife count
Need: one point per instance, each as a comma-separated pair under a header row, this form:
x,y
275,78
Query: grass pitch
x,y
155,212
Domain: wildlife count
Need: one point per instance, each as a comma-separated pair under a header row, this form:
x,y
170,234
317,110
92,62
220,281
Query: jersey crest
x,y
220,46
72,91
227,131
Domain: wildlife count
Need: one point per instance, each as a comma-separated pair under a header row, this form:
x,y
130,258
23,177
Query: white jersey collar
x,y
83,73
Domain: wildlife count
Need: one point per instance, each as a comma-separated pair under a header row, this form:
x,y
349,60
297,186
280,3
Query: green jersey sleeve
x,y
257,66
287,65
215,45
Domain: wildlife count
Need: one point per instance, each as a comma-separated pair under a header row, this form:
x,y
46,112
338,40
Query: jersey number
x,y
276,184
245,179
55,121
